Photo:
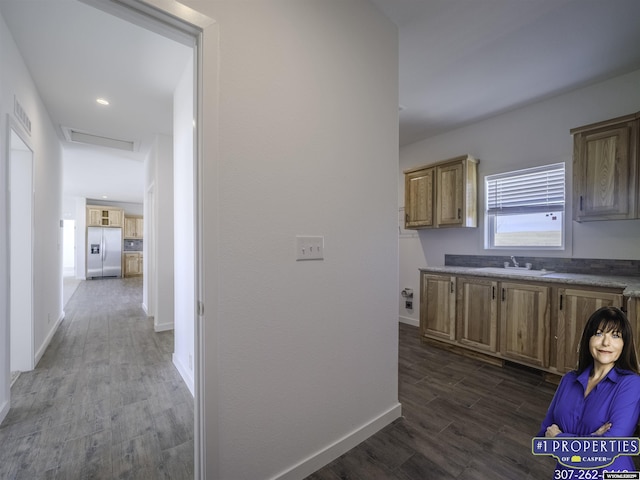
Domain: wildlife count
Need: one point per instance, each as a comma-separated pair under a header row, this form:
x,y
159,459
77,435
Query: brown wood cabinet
x,y
98,216
133,227
477,313
442,194
575,306
605,170
438,307
418,198
532,323
524,323
132,264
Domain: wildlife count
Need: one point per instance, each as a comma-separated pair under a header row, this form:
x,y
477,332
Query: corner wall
x,y
184,228
158,234
530,136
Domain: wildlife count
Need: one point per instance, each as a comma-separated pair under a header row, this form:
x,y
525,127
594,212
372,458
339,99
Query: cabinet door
x,y
438,306
129,227
418,198
450,194
605,173
132,264
115,218
575,306
94,217
139,227
524,323
477,313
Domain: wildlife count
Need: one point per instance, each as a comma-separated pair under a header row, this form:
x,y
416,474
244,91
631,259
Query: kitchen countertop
x,y
631,285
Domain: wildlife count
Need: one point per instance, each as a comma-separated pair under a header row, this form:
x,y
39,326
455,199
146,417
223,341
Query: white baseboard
x,y
163,327
47,340
409,321
185,373
318,460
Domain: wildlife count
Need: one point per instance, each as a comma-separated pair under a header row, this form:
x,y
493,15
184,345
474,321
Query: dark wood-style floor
x,y
462,419
105,401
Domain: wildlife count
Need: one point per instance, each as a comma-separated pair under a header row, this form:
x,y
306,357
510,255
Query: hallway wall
x,y
15,82
303,361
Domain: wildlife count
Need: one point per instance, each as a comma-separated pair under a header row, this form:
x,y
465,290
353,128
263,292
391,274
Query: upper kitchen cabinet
x,y
418,198
99,216
133,227
605,170
443,194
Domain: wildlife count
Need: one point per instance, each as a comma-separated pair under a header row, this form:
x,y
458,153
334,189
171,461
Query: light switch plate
x,y
309,248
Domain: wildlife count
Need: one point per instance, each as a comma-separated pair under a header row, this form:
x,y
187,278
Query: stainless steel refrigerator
x,y
104,252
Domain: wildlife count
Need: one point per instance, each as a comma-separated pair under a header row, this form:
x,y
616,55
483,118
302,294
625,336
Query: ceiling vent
x,y
77,136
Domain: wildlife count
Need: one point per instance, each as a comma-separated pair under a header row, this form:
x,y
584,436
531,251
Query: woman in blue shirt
x,y
602,396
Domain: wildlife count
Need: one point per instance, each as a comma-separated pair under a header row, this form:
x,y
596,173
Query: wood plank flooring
x,y
462,419
105,401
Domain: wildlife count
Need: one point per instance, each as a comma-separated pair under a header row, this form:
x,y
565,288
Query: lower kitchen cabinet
x,y
575,306
438,307
524,323
132,264
477,318
527,322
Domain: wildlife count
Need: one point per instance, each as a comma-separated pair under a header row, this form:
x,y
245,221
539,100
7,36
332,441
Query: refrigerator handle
x,y
104,245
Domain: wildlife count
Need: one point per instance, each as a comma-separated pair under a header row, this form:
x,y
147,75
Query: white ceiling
x,y
460,61
77,53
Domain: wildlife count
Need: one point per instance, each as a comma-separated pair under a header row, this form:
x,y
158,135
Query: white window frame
x,y
531,190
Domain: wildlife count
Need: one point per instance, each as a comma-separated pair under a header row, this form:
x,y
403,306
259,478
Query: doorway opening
x,y
20,162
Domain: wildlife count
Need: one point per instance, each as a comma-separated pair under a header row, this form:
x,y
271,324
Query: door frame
x,y
183,24
26,342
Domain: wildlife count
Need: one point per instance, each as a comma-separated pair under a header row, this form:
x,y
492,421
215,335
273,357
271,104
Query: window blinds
x,y
534,190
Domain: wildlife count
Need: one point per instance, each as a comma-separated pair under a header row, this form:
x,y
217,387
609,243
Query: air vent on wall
x,y
21,115
77,136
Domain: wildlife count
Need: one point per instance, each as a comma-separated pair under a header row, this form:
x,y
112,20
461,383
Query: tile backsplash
x,y
133,245
591,266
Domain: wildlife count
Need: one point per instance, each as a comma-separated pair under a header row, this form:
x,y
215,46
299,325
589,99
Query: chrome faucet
x,y
513,259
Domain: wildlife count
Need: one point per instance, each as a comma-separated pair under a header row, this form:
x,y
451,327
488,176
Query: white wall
x,y
304,365
534,135
159,221
15,80
183,227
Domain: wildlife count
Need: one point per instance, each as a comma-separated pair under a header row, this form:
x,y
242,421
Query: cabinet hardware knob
x,y
560,302
459,213
493,293
451,287
580,202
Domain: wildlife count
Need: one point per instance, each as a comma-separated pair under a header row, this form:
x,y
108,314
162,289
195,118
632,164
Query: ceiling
x,y
460,61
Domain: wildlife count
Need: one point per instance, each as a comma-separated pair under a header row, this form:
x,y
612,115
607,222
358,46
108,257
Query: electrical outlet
x,y
309,248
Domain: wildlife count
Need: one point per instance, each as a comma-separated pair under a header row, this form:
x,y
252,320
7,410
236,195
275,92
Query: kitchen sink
x,y
515,271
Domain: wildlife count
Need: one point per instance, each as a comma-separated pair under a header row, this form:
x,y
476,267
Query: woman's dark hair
x,y
609,319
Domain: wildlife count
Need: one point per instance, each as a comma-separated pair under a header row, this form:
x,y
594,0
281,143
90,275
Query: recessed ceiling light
x,y
105,197
102,101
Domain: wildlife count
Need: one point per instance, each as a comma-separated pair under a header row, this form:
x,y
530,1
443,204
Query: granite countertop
x,y
631,285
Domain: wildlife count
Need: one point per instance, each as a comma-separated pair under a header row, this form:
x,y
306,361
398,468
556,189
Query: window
x,y
525,208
